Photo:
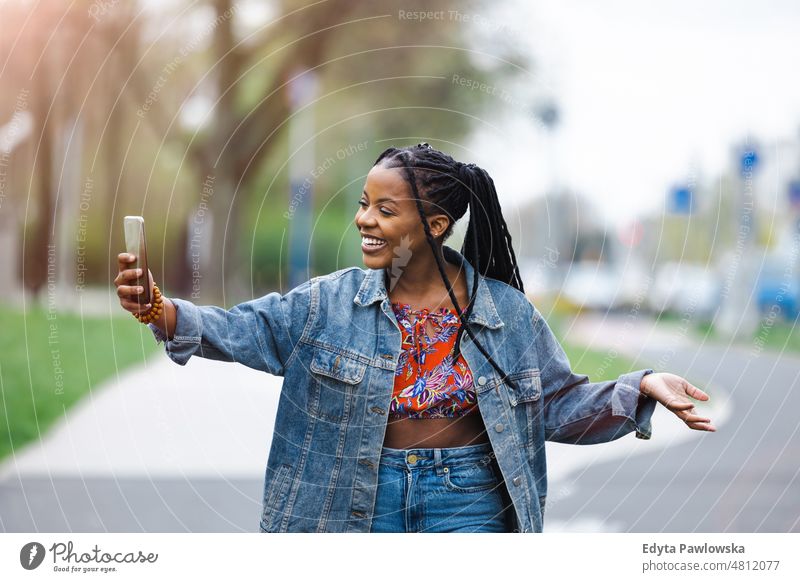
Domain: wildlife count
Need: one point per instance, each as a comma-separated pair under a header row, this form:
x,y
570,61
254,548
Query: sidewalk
x,y
207,419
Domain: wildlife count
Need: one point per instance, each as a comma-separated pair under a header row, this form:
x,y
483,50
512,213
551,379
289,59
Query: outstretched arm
x,y
260,334
577,411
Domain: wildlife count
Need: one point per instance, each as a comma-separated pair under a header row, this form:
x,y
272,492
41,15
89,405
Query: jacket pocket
x,y
526,402
335,376
275,498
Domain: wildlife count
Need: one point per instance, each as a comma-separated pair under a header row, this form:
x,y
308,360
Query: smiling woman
x,y
419,392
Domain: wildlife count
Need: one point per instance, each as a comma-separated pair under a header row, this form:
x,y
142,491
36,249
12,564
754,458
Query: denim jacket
x,y
336,341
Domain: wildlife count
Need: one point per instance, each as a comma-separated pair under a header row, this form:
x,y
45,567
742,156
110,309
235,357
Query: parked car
x,y
598,286
589,285
684,288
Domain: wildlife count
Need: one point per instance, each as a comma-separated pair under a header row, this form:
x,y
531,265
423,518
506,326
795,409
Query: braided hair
x,y
452,187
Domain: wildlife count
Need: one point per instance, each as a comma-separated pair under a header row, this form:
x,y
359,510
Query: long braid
x,y
501,263
453,186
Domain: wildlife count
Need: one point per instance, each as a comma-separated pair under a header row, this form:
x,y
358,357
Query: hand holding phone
x,y
127,280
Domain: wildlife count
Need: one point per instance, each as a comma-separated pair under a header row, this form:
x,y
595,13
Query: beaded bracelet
x,y
155,310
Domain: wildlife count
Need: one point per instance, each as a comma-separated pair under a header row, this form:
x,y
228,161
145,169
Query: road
x,y
743,478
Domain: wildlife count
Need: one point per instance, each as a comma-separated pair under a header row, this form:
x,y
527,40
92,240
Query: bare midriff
x,y
411,433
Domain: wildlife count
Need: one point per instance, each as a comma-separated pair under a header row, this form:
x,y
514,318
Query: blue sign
x,y
681,200
794,193
749,160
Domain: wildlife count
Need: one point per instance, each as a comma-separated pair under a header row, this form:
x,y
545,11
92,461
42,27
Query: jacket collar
x,y
373,289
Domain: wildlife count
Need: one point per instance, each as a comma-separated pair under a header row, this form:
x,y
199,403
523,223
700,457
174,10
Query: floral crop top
x,y
427,383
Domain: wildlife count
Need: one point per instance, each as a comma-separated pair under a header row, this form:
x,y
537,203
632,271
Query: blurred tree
x,y
192,90
380,69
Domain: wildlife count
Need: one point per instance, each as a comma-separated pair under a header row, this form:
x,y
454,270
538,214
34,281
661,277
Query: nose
x,y
364,218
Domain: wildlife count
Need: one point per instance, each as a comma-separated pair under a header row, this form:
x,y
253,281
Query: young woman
x,y
418,392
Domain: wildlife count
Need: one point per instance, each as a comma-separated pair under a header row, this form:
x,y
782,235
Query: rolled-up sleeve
x,y
260,334
577,411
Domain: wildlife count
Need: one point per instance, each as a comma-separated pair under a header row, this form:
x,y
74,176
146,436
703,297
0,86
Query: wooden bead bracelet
x,y
155,310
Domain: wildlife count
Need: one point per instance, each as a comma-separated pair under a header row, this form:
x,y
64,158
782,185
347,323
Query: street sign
x,y
794,194
749,160
681,200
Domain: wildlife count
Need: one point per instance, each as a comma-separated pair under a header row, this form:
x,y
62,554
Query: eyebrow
x,y
379,200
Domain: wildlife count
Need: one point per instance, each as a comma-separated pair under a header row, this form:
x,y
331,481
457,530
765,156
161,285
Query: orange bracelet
x,y
155,310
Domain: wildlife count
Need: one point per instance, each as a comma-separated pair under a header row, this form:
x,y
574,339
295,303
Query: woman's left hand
x,y
674,392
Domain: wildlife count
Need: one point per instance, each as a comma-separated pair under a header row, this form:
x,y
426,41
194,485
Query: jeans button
x,y
412,458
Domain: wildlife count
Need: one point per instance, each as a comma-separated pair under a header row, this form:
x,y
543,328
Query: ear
x,y
438,224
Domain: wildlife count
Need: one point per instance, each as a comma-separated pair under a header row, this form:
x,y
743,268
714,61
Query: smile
x,y
372,245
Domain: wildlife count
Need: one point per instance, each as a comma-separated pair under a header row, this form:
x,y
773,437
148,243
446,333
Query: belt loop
x,y
437,461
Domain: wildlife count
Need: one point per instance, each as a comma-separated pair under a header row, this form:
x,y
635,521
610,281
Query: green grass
x,y
777,336
599,366
50,361
780,337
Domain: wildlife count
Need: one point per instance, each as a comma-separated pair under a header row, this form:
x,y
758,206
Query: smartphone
x,y
135,245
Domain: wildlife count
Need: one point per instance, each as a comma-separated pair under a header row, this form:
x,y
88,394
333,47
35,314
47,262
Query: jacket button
x,y
482,380
516,481
499,427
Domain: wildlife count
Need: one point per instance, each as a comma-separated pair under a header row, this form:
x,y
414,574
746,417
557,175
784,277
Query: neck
x,y
421,277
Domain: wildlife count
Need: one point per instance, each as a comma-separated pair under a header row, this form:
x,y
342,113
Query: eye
x,y
385,212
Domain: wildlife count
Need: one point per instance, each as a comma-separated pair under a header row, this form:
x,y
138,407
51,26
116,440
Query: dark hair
x,y
451,187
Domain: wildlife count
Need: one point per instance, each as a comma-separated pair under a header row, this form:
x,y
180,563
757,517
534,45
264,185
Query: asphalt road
x,y
743,478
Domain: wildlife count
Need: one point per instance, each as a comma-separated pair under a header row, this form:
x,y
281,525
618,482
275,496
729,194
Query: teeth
x,y
373,241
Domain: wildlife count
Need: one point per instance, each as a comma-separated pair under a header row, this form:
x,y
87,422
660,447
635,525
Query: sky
x,y
649,93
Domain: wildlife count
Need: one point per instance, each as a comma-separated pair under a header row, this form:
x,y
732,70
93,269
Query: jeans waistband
x,y
421,458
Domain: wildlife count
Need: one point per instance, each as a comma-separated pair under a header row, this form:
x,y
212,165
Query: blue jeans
x,y
452,489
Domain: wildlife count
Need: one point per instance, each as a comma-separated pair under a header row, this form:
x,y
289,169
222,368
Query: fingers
x,y
133,306
129,291
695,392
677,405
127,276
696,421
125,259
696,418
707,426
129,298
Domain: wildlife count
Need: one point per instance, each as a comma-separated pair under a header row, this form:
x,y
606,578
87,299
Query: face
x,y
388,212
